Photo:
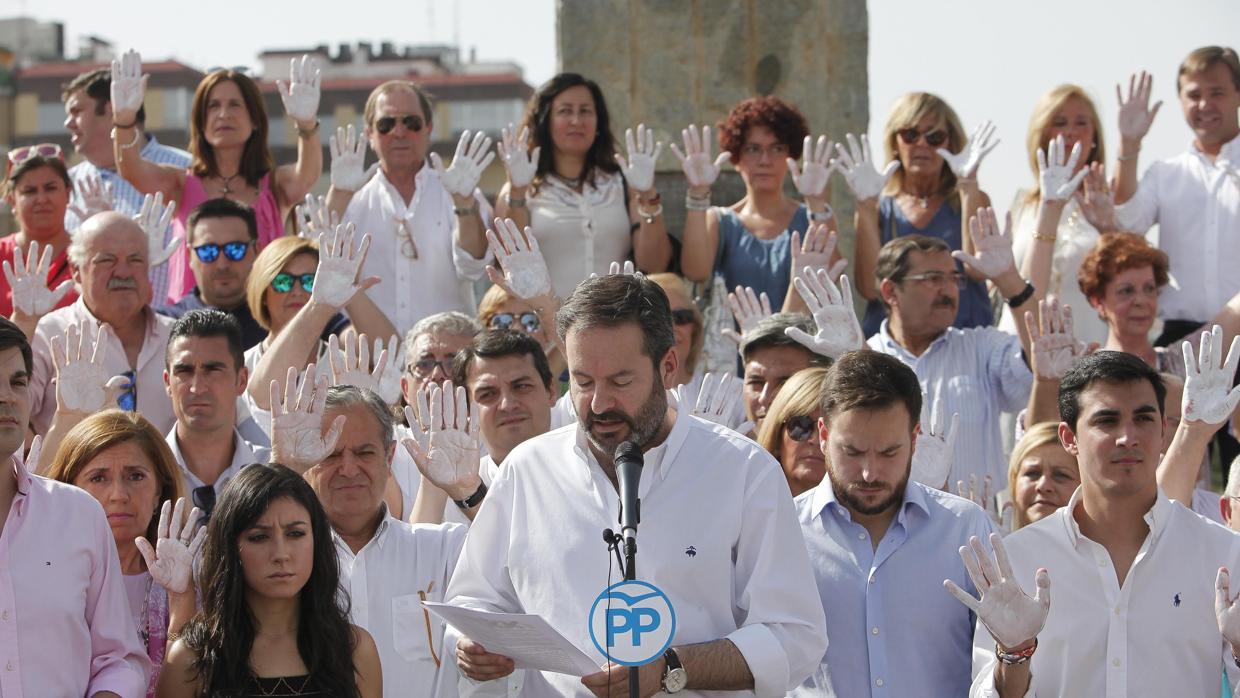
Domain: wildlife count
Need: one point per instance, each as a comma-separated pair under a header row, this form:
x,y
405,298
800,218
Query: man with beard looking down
x,y
878,543
976,373
718,532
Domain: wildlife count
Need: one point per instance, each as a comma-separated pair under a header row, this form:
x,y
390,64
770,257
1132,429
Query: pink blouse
x,y
266,210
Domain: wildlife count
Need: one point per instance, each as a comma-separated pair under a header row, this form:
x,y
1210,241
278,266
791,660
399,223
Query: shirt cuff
x,y
767,660
984,683
121,680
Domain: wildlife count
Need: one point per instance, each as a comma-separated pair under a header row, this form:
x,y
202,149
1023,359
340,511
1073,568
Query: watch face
x,y
675,680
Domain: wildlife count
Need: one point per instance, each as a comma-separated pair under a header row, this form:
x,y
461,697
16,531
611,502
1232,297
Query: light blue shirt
x,y
978,373
892,629
126,199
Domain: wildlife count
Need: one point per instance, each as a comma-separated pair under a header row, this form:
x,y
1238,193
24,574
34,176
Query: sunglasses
x,y
684,316
210,252
425,367
504,321
413,122
128,399
801,427
204,498
19,156
933,138
283,283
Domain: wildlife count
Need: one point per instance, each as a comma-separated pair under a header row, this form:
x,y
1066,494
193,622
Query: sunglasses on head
x,y
210,252
283,283
413,122
684,316
801,427
504,321
18,156
933,138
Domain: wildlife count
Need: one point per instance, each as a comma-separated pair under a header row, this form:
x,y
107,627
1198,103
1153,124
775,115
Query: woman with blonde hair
x,y
500,310
124,463
1041,475
790,430
929,187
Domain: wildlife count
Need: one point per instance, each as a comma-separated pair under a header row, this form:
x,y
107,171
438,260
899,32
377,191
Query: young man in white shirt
x,y
719,533
880,543
1141,607
387,566
1194,197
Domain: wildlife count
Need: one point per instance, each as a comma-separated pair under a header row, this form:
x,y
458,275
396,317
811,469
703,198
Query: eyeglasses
x,y
938,278
1127,292
933,138
210,252
283,283
19,156
754,151
504,321
801,427
413,122
204,498
128,399
425,367
684,316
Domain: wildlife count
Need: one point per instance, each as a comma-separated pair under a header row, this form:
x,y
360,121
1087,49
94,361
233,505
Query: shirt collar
x,y
914,498
890,342
148,316
661,457
22,475
1156,518
377,540
1229,153
243,455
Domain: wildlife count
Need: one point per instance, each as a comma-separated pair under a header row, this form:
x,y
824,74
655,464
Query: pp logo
x,y
632,623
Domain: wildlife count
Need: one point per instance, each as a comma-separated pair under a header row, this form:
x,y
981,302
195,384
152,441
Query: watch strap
x,y
1020,298
474,499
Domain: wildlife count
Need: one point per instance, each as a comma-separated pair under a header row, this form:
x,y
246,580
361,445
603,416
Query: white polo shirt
x,y
718,535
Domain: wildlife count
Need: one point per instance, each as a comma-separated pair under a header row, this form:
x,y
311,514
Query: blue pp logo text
x,y
632,623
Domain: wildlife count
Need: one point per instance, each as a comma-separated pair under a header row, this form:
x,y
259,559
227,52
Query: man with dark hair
x,y
88,109
68,629
879,543
1145,608
223,238
509,383
754,626
770,357
979,372
204,375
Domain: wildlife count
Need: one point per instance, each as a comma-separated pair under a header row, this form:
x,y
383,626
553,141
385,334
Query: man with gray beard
x,y
109,257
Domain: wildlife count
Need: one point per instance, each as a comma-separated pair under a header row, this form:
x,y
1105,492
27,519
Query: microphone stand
x,y
628,565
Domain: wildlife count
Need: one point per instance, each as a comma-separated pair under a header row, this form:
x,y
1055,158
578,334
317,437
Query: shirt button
x,y
4,616
873,579
874,630
9,666
878,682
1117,610
860,536
1102,563
1115,662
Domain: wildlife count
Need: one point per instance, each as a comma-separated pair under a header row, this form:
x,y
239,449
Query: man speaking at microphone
x,y
718,532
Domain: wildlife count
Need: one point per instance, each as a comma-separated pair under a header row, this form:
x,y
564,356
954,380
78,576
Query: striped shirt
x,y
979,373
126,199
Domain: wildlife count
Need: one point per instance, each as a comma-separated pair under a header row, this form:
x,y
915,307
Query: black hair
x,y
616,299
209,322
12,336
221,208
602,154
494,344
870,380
98,86
1109,367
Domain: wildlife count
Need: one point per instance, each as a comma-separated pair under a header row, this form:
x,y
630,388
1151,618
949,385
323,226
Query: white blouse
x,y
580,233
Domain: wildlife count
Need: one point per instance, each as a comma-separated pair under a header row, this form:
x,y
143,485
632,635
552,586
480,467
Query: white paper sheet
x,y
525,638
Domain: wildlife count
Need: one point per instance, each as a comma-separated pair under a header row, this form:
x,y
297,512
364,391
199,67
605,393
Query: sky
x,y
990,60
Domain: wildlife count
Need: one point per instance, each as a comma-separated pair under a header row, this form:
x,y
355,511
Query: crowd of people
x,y
252,430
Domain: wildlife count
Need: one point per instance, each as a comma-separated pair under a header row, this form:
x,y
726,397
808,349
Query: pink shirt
x,y
266,210
65,625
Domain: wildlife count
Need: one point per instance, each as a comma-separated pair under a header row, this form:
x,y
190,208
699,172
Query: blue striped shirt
x,y
979,373
126,199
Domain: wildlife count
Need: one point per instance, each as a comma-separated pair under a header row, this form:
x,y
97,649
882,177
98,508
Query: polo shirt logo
x,y
1176,601
691,551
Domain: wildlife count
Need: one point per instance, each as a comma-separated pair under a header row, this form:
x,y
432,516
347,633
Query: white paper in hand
x,y
524,638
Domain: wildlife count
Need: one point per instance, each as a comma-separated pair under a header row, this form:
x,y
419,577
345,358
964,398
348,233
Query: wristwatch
x,y
1019,299
675,678
474,499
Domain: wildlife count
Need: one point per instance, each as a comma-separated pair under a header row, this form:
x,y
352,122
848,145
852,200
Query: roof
x,y
449,80
68,69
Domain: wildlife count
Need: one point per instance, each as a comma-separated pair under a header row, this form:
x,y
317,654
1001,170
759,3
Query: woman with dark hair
x,y
228,139
274,621
37,188
763,240
587,207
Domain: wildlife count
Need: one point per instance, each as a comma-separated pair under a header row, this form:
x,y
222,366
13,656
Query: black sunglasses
x,y
209,252
933,138
504,321
684,316
801,427
283,283
413,122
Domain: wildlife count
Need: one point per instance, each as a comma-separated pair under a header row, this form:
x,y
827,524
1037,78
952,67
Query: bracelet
x,y
128,125
822,216
1044,238
1020,298
307,132
474,499
1021,657
657,200
130,144
515,201
1126,158
692,203
649,216
465,211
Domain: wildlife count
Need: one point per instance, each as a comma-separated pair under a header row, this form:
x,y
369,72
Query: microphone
x,y
629,460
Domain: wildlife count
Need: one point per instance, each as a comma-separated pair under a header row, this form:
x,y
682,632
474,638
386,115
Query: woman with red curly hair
x,y
1122,278
755,241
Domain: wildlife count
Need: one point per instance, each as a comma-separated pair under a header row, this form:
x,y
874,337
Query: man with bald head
x,y
109,257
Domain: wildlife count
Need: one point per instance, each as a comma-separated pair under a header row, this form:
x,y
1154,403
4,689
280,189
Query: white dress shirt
x,y
581,233
244,453
1155,636
978,373
718,535
1196,204
387,580
152,398
439,279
